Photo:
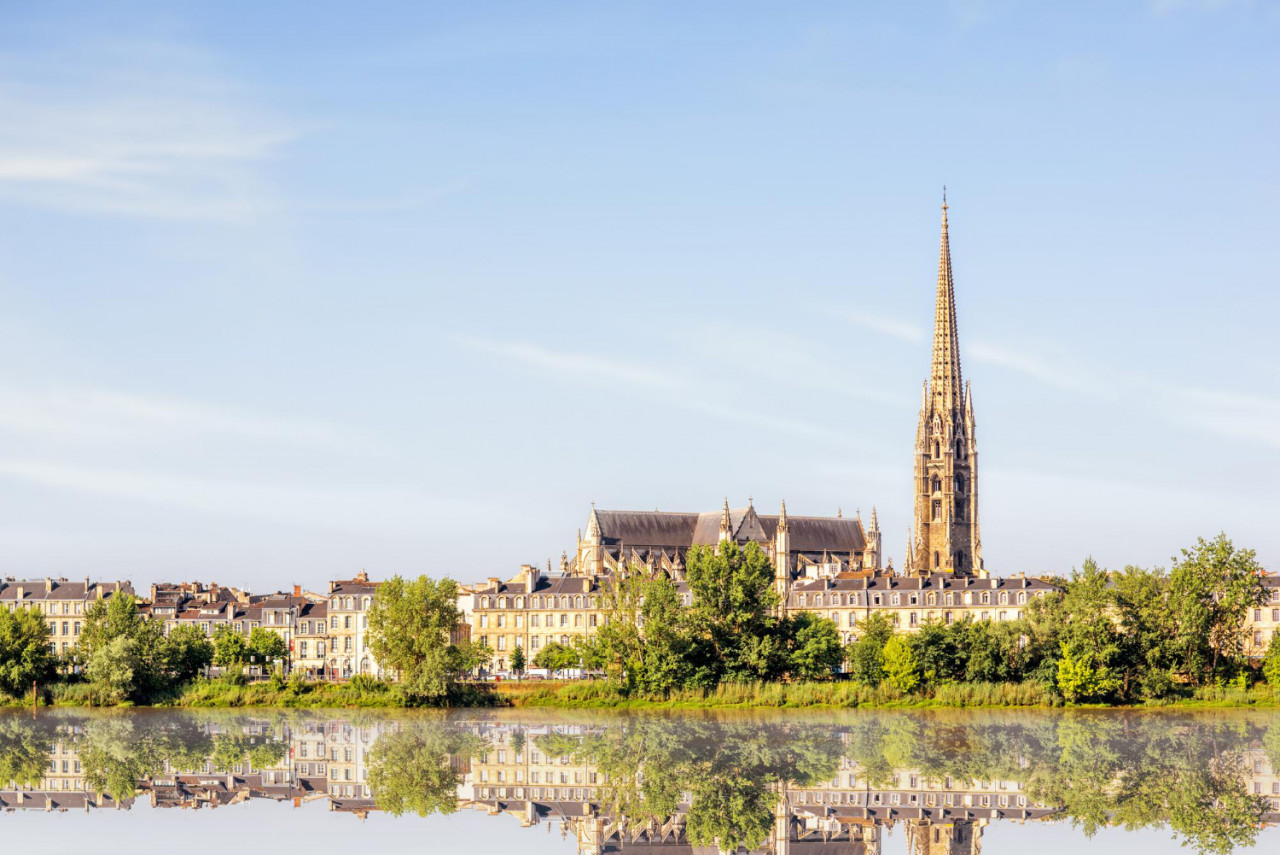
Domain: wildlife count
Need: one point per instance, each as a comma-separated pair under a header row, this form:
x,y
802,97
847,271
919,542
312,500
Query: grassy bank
x,y
374,694
845,696
359,693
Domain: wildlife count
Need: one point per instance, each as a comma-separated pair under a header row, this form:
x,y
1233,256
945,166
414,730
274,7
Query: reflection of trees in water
x,y
24,749
415,768
1135,771
721,778
729,771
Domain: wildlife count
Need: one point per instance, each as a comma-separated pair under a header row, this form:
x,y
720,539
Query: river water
x,y
789,783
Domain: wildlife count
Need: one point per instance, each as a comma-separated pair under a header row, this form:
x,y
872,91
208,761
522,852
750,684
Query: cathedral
x,y
944,538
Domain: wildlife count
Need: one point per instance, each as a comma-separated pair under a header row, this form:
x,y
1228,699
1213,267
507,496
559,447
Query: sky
x,y
292,290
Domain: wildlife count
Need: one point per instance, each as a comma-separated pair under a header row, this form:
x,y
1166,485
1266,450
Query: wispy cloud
x,y
155,134
99,414
678,390
892,327
357,507
1057,375
573,365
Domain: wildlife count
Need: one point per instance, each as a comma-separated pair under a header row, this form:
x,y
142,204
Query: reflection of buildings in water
x,y
513,773
847,814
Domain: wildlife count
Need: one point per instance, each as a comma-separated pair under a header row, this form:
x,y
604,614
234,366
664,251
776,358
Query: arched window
x,y
484,602
1022,598
937,558
502,602
937,515
519,602
817,599
1004,598
835,599
937,484
959,560
937,449
896,599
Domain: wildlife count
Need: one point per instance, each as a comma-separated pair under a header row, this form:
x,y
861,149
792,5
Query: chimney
x,y
297,590
494,583
48,584
529,574
22,592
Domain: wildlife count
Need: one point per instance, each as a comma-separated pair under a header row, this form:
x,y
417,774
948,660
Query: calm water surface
x,y
790,783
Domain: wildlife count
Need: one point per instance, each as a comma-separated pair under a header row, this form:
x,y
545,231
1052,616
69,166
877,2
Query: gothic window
x,y
959,510
959,484
937,558
959,560
937,514
937,449
937,484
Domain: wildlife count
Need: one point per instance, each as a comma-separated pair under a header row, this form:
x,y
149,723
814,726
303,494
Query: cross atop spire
x,y
944,378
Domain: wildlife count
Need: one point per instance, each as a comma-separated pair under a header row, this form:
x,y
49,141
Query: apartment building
x,y
62,603
348,607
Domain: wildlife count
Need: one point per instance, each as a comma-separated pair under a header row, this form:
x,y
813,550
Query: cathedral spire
x,y
944,378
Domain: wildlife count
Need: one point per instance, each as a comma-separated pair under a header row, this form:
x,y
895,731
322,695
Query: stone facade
x,y
62,603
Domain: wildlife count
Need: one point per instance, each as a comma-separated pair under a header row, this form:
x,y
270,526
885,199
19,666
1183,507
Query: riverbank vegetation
x,y
1136,636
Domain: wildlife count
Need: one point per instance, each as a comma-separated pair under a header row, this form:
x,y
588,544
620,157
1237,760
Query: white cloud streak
x,y
154,135
891,327
362,508
679,391
102,415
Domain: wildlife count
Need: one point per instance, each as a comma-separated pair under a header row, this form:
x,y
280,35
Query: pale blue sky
x,y
291,290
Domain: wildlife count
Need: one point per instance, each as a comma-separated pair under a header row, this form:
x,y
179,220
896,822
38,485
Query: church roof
x,y
674,530
649,528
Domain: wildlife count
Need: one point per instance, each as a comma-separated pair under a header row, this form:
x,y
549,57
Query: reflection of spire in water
x,y
961,837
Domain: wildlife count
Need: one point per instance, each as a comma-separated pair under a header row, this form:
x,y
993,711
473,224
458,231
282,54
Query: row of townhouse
x,y
326,634
532,609
63,604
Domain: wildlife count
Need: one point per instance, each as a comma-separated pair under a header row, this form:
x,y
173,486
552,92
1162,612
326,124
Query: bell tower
x,y
945,536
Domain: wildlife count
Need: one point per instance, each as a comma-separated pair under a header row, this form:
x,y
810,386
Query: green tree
x,y
557,657
1211,589
186,653
665,654
411,623
1271,663
266,646
732,612
901,670
518,660
1082,676
125,651
814,651
230,650
25,654
116,670
865,654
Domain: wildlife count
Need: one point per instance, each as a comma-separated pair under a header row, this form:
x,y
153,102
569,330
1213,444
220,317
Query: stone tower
x,y
945,535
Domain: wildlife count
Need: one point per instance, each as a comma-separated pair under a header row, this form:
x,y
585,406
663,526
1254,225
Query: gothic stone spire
x,y
944,380
945,531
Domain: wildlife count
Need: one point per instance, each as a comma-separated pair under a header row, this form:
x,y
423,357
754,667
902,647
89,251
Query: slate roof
x,y
652,530
61,589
